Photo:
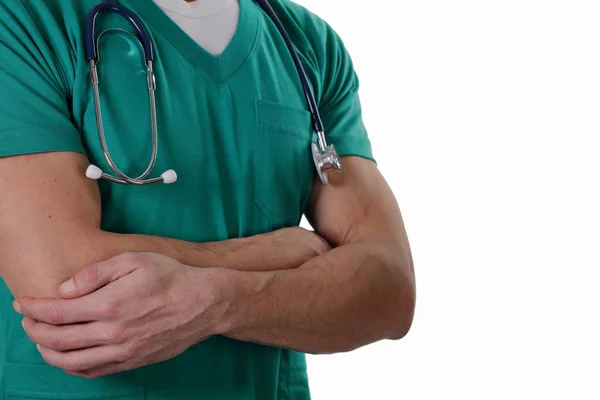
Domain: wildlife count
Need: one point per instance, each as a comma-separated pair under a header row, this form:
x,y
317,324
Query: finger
x,y
108,369
73,336
68,311
82,360
95,276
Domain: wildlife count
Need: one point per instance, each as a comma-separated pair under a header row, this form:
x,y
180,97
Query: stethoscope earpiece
x,y
95,173
169,176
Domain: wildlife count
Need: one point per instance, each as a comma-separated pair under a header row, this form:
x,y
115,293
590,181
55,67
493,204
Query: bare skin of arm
x,y
50,217
360,292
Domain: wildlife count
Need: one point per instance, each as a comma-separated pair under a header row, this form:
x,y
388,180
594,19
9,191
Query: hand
x,y
135,309
299,244
287,248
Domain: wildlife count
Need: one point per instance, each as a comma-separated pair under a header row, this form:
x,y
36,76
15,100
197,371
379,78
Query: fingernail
x,y
68,287
38,347
23,323
17,307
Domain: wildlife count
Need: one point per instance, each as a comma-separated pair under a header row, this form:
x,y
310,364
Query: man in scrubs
x,y
206,288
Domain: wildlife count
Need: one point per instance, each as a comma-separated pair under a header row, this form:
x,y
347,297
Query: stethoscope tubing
x,y
325,157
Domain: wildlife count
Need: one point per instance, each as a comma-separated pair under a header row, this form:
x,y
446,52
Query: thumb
x,y
94,277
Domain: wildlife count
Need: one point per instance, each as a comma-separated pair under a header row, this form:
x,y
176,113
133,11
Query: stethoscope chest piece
x,y
325,161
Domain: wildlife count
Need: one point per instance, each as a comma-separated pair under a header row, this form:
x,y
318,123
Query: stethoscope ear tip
x,y
93,172
169,176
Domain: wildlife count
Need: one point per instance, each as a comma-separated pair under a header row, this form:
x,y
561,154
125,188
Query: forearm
x,y
256,253
349,297
40,272
50,219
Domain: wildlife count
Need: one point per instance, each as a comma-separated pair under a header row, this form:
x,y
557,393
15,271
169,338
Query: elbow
x,y
30,288
402,321
39,274
402,316
37,283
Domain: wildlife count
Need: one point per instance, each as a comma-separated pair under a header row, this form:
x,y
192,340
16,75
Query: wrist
x,y
242,297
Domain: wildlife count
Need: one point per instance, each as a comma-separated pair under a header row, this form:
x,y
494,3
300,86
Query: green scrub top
x,y
235,128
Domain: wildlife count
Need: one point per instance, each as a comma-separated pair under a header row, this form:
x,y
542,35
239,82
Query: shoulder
x,y
42,14
42,37
322,50
288,9
302,23
33,8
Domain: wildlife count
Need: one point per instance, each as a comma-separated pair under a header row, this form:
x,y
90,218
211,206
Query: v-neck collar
x,y
218,68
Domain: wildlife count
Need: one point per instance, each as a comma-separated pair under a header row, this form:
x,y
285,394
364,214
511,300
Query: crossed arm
x,y
285,288
50,230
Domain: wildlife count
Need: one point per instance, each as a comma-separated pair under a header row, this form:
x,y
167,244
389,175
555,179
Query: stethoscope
x,y
325,157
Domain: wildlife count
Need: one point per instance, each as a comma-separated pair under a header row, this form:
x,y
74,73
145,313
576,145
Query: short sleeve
x,y
340,105
34,110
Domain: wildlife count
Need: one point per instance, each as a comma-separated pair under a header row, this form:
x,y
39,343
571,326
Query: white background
x,y
484,118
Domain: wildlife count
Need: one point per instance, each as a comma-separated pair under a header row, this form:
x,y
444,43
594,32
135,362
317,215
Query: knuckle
x,y
55,315
55,344
72,365
114,335
128,353
109,310
91,273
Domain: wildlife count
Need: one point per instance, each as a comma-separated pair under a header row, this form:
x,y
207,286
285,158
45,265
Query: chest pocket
x,y
284,166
